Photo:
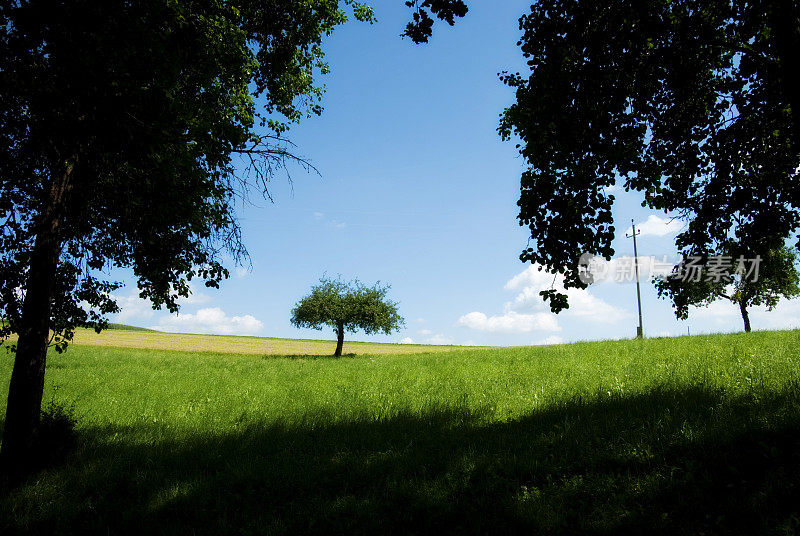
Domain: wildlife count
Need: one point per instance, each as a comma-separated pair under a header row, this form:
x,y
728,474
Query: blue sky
x,y
418,191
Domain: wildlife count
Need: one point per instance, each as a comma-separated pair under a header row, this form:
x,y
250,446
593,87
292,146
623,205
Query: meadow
x,y
686,435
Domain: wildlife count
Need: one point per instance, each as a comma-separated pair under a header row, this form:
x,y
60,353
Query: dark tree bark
x,y
745,316
18,452
339,340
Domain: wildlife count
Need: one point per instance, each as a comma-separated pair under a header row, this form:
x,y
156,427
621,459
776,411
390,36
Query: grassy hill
x,y
693,435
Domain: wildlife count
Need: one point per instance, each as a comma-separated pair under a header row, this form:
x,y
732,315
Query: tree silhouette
x,y
693,103
420,28
120,126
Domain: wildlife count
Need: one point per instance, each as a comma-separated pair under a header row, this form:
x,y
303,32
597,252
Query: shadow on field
x,y
307,356
692,461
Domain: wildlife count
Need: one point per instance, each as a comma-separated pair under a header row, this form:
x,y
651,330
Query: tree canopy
x,y
692,103
347,306
120,126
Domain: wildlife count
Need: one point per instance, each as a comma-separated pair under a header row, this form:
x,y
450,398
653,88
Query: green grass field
x,y
688,435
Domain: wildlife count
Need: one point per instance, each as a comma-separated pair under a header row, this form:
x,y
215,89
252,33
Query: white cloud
x,y
649,267
133,308
726,316
439,339
532,276
195,297
318,215
552,339
623,269
721,310
420,320
656,226
211,320
241,272
785,316
527,311
582,303
510,322
589,307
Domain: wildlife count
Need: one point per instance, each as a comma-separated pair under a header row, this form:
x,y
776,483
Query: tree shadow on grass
x,y
670,461
307,356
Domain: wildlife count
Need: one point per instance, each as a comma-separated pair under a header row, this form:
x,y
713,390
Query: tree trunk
x,y
18,452
745,316
339,340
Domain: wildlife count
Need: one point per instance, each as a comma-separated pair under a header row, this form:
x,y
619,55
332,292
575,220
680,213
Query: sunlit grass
x,y
692,434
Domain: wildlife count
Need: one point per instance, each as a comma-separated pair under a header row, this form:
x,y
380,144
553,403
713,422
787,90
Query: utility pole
x,y
639,330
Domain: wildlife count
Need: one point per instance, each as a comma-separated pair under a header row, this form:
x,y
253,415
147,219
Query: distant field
x,y
688,435
126,327
128,337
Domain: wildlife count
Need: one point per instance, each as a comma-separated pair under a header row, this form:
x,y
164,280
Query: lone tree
x,y
726,276
347,307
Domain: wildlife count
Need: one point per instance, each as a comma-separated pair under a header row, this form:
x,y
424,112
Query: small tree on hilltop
x,y
347,307
724,277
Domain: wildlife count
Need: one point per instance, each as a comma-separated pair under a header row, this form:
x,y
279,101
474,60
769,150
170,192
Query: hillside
x,y
689,435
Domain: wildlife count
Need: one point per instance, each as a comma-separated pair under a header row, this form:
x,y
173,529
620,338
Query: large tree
x,y
120,122
693,103
120,126
346,307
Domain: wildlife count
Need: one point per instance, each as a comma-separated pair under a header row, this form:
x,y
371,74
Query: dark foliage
x,y
692,103
131,114
420,28
120,123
